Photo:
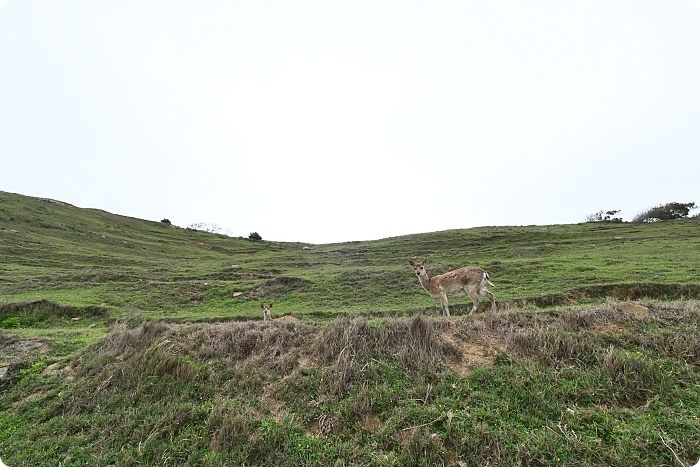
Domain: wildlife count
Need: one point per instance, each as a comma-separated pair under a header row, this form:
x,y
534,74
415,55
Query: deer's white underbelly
x,y
450,292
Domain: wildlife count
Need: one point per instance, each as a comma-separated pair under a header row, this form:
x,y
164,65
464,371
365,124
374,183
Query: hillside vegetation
x,y
125,341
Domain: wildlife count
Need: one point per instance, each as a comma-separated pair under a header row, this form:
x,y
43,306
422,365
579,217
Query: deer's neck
x,y
426,282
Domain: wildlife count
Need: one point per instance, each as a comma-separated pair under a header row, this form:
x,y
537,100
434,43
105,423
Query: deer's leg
x,y
490,296
475,298
445,307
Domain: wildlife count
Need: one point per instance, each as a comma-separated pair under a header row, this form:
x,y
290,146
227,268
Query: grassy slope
x,y
87,257
601,391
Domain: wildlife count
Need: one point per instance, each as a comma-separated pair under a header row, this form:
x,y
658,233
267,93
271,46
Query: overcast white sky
x,y
325,121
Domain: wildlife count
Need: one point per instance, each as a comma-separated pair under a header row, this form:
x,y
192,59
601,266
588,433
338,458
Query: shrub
x,y
254,236
665,212
604,216
209,227
166,222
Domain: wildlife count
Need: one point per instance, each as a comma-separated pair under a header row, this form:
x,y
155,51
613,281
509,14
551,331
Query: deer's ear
x,y
411,263
270,305
262,306
425,260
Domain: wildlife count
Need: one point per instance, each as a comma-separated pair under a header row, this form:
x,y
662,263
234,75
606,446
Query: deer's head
x,y
419,268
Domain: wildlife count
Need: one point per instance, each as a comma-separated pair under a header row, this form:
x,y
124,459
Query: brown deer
x,y
471,281
266,312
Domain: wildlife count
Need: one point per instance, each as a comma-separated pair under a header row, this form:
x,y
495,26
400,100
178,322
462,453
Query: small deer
x,y
266,312
471,281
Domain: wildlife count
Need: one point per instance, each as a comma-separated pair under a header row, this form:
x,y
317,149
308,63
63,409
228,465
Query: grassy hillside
x,y
124,342
83,257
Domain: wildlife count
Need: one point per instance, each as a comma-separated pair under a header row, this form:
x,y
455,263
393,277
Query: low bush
x,y
604,216
665,212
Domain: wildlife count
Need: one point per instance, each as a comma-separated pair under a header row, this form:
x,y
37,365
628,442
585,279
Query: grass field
x,y
125,342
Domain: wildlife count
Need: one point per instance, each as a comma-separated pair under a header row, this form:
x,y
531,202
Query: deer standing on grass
x,y
470,281
266,312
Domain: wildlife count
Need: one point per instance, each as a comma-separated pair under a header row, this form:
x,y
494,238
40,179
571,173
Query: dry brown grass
x,y
553,348
348,344
15,350
681,346
564,337
269,360
6,339
632,291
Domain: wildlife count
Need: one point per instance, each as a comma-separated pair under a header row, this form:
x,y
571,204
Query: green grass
x,y
129,342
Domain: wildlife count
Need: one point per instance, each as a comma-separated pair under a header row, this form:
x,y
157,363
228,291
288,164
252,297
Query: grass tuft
x,y
634,380
553,348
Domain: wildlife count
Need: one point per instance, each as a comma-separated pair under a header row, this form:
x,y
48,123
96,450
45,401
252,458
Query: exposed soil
x,y
472,354
61,369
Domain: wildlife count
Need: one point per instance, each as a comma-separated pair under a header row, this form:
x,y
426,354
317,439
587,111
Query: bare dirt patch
x,y
474,353
60,369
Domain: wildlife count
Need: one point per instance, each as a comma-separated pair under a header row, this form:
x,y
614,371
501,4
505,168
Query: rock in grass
x,y
634,310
